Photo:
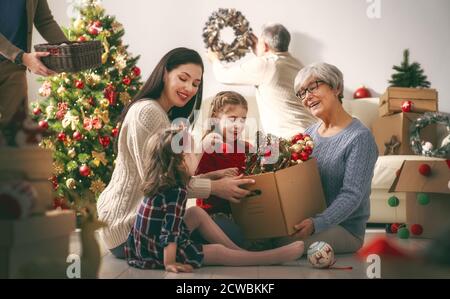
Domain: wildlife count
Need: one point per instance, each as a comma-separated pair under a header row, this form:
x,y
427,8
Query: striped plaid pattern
x,y
159,221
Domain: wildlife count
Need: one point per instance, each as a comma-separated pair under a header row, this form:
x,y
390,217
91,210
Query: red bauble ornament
x,y
395,227
126,81
81,39
43,124
304,156
308,150
267,153
297,138
115,132
91,101
406,106
93,31
416,229
110,93
61,136
79,84
425,169
37,111
361,93
136,71
84,170
77,136
295,156
104,140
98,24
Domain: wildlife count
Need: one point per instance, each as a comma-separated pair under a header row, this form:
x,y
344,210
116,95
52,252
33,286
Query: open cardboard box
x,y
398,125
280,200
435,215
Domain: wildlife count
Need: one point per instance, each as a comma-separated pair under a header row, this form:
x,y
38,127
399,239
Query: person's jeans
x,y
119,251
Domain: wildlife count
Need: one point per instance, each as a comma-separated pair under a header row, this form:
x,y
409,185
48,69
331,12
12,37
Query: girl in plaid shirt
x,y
161,234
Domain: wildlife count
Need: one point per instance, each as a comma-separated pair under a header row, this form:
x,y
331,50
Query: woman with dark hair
x,y
173,90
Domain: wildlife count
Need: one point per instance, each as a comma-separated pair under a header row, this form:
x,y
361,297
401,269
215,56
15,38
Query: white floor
x,y
115,268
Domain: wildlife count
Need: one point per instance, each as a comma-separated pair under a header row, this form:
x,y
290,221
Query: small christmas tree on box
x,y
80,113
409,90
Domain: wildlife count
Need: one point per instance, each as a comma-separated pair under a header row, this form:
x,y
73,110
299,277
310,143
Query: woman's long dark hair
x,y
154,86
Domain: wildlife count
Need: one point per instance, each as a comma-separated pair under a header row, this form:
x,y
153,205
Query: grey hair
x,y
276,36
324,72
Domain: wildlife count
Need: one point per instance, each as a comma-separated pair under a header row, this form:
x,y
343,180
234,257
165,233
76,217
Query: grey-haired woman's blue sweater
x,y
346,162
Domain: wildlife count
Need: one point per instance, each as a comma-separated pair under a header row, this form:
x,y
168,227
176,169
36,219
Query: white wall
x,y
338,32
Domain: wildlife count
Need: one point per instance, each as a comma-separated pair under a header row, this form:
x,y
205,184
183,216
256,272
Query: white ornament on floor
x,y
321,255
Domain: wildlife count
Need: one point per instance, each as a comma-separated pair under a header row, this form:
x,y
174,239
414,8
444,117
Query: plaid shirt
x,y
159,221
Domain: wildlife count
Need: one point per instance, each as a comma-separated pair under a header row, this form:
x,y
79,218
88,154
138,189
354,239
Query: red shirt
x,y
231,157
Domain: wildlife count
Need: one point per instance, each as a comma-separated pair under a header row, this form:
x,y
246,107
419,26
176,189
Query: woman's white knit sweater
x,y
118,203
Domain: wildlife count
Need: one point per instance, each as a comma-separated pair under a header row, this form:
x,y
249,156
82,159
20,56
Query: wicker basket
x,y
72,56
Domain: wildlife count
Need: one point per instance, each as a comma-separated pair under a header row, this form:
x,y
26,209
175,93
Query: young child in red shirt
x,y
226,153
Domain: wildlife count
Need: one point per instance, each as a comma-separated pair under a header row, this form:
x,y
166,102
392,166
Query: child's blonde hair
x,y
165,168
221,103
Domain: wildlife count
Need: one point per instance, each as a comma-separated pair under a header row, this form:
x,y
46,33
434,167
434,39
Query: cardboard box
x,y
398,125
282,199
436,214
423,100
34,240
34,165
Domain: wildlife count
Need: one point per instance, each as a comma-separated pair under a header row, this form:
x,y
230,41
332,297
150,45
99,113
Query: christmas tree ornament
x,y
77,136
61,91
100,157
406,106
394,227
43,124
125,98
136,71
61,136
126,81
361,92
93,31
82,38
71,183
37,111
393,201
71,153
79,84
104,141
114,132
321,255
97,186
84,170
424,169
416,229
403,233
423,199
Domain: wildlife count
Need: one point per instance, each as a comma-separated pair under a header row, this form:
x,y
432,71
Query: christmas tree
x,y
80,111
408,75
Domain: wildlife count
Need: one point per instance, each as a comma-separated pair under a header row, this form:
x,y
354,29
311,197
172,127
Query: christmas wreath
x,y
420,147
228,17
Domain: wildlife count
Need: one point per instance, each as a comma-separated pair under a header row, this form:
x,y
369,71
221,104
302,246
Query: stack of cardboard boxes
x,y
39,236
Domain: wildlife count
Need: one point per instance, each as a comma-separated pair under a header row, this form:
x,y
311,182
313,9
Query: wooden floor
x,y
115,268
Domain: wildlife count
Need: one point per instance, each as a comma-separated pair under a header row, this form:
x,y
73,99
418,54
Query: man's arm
x,y
7,49
251,72
46,24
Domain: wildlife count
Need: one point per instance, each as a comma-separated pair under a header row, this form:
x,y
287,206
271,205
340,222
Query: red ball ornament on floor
x,y
395,227
416,229
43,124
37,111
361,93
136,71
61,136
77,136
406,106
425,169
84,170
79,84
